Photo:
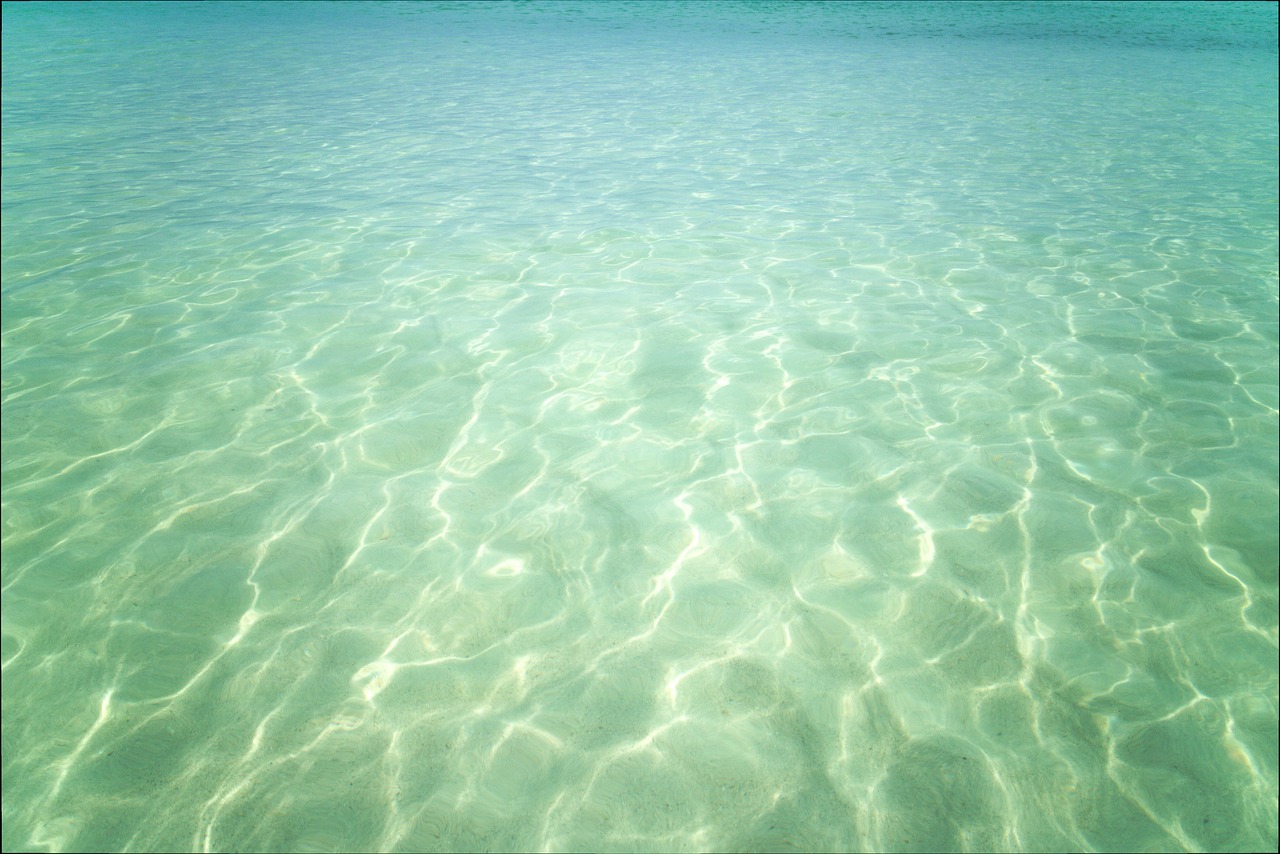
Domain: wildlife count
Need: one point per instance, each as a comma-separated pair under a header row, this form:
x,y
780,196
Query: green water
x,y
639,427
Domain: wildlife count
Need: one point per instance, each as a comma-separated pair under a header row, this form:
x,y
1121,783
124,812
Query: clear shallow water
x,y
626,427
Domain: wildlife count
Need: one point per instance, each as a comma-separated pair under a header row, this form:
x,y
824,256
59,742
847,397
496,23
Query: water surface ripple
x,y
640,427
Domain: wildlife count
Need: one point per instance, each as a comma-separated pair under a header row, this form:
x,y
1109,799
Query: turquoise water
x,y
640,427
